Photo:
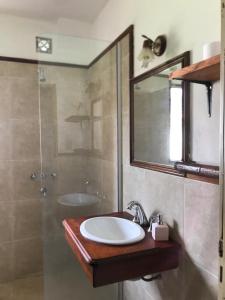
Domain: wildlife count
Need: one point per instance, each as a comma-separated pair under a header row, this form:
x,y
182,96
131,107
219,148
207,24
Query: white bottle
x,y
160,231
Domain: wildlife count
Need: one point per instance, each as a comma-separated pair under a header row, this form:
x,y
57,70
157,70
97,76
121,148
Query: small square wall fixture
x,y
43,45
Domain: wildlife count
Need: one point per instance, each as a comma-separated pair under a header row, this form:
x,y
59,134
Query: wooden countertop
x,y
105,264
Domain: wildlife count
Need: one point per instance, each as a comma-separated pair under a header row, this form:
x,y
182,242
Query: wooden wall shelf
x,y
106,264
206,71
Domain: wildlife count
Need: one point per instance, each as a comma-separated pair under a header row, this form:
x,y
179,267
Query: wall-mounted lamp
x,y
151,48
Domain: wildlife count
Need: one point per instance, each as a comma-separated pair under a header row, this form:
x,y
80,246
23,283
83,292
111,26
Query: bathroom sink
x,y
78,199
112,230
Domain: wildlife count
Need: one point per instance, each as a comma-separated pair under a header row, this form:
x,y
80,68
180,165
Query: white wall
x,y
17,36
175,18
188,25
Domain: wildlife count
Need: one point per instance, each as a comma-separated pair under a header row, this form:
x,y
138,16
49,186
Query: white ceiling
x,y
83,10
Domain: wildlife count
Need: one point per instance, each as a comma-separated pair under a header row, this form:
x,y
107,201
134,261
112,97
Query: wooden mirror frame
x,y
184,60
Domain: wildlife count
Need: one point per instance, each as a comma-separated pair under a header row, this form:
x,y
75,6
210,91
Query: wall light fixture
x,y
151,48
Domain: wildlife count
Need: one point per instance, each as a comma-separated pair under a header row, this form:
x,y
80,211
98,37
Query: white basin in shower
x,y
77,199
112,230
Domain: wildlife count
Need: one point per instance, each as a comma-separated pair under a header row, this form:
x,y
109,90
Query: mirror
x,y
160,117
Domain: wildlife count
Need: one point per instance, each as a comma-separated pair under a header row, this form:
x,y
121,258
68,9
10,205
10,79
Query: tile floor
x,y
28,288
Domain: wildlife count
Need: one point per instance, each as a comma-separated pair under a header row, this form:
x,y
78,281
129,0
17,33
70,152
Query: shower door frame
x,y
119,122
221,275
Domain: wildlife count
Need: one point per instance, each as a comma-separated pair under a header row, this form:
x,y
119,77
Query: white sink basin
x,y
78,199
112,230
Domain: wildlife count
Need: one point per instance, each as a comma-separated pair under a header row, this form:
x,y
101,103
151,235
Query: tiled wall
x,y
21,211
20,207
191,208
63,96
67,150
102,164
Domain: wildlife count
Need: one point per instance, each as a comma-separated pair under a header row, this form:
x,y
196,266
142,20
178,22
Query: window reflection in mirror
x,y
157,117
175,147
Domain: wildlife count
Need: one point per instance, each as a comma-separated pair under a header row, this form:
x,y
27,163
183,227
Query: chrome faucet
x,y
140,216
85,181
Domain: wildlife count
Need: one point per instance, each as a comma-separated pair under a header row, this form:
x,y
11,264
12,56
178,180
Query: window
x,y
43,45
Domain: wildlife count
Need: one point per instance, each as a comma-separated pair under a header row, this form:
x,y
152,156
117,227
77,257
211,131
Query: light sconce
x,y
151,48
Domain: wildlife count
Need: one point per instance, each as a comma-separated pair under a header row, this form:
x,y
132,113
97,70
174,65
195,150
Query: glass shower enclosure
x,y
79,121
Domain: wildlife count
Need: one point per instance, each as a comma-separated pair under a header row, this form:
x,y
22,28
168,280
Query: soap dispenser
x,y
160,231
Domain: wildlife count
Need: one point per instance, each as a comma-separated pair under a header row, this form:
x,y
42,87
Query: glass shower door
x,y
78,117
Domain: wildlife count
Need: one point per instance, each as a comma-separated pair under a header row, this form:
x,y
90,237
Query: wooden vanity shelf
x,y
204,72
106,264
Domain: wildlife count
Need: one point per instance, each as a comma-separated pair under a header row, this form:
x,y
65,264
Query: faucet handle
x,y
136,218
140,216
130,205
152,219
85,181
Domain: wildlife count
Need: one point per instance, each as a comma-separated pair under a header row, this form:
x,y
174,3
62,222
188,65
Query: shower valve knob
x,y
33,176
44,191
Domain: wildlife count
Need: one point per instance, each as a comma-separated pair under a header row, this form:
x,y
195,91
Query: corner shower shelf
x,y
204,72
106,264
87,152
77,119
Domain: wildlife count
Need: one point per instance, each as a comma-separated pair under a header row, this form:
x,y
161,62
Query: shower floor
x,y
29,288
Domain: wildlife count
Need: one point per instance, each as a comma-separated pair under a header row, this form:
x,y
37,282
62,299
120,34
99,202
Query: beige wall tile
x,y
23,70
6,221
71,173
48,102
94,174
6,265
109,183
199,284
157,192
5,140
191,210
27,257
201,223
125,84
6,291
24,94
169,287
25,142
109,138
125,46
30,288
5,99
22,186
27,219
133,291
109,92
5,180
